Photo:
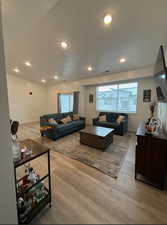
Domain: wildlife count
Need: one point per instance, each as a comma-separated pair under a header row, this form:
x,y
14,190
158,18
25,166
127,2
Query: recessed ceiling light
x,y
55,77
107,19
122,60
64,44
27,63
17,70
90,68
43,81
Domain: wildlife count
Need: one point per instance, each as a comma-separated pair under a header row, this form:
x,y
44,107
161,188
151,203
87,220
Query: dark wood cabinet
x,y
151,158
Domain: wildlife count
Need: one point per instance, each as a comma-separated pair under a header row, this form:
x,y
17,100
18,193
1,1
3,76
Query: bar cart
x,y
43,199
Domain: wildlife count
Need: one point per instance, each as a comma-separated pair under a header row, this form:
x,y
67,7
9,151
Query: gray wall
x,y
7,190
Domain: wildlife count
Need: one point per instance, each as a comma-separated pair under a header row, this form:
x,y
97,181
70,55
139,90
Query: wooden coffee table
x,y
97,137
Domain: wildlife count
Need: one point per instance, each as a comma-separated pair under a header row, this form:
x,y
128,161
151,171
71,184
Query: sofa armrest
x,y
43,122
124,126
95,120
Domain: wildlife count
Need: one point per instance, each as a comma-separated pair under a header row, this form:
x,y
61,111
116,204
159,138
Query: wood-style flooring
x,y
83,195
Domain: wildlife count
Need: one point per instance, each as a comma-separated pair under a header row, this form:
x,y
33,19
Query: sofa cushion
x,y
112,117
75,117
70,126
52,121
102,118
56,117
78,123
66,114
108,124
65,127
59,121
66,120
120,119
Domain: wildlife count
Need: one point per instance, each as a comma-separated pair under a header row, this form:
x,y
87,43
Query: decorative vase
x,y
152,125
15,149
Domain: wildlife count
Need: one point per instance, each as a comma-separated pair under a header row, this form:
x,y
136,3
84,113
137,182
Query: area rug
x,y
108,162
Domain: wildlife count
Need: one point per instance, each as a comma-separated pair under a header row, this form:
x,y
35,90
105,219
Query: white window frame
x,y
128,112
72,102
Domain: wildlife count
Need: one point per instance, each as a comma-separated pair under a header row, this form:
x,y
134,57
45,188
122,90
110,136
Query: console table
x,y
151,158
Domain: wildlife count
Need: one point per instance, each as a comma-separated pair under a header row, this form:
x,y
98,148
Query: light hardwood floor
x,y
83,195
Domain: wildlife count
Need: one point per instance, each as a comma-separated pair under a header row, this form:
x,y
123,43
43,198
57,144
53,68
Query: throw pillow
x,y
103,118
75,117
69,118
66,119
120,119
52,121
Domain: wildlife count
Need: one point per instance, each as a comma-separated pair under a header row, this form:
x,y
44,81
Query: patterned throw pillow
x,y
52,121
75,117
66,120
120,119
103,118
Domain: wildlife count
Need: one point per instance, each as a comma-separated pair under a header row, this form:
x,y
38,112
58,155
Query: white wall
x,y
162,114
24,107
162,110
67,87
129,75
7,190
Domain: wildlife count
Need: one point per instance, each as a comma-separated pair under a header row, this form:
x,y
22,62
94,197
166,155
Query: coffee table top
x,y
98,131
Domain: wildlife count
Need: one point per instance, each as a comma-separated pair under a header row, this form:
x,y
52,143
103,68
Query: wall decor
x,y
147,96
90,98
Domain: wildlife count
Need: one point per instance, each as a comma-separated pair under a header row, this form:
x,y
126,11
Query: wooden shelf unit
x,y
38,150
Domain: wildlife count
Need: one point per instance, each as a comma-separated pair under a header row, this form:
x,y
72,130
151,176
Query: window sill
x,y
98,111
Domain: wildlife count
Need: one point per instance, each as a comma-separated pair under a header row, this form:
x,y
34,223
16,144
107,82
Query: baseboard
x,y
24,123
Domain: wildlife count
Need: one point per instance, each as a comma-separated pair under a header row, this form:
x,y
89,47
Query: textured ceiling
x,y
33,30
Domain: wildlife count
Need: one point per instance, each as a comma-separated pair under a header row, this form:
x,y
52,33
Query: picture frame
x,y
147,95
90,98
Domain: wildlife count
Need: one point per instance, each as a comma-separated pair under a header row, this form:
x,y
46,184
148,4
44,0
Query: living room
x,y
81,83
44,98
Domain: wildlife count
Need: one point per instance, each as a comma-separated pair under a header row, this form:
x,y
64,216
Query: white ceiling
x,y
34,28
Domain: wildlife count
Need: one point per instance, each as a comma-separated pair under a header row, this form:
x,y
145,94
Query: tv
x,y
160,76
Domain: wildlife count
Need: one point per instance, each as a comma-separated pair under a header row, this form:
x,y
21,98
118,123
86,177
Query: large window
x,y
66,102
117,98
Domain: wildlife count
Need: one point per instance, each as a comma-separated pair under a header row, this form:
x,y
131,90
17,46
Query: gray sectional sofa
x,y
60,129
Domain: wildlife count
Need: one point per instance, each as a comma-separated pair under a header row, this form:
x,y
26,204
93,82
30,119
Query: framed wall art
x,y
90,98
147,95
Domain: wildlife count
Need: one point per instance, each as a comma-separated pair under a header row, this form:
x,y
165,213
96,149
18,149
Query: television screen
x,y
160,75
